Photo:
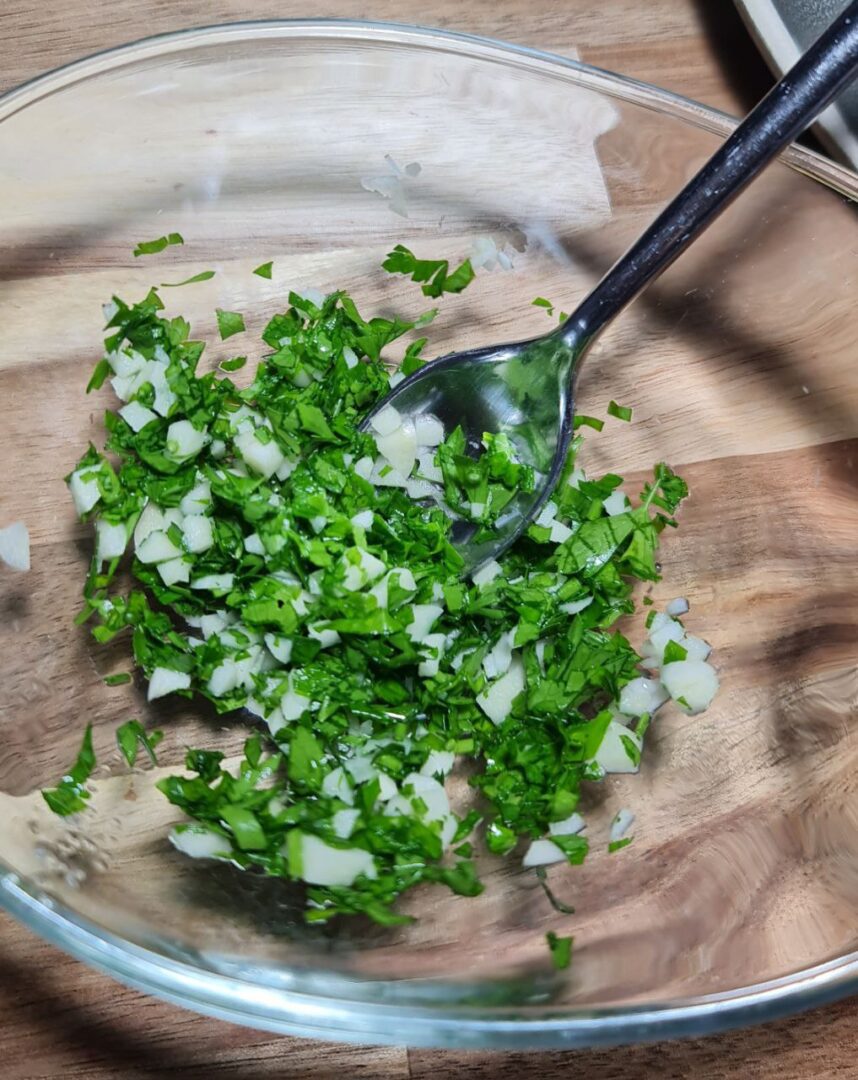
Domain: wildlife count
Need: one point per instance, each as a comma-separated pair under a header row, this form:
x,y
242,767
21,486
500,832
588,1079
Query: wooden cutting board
x,y
61,1019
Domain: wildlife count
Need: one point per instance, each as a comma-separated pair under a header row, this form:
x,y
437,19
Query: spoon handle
x,y
818,76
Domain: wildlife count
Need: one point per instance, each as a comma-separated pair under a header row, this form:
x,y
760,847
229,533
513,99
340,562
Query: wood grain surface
x,y
60,1019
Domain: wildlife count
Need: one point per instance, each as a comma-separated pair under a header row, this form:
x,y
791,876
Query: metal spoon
x,y
527,389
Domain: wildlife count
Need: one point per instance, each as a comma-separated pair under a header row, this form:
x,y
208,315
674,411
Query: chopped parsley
x,y
673,651
131,735
235,364
548,307
561,950
153,247
593,422
286,564
435,273
265,270
558,905
70,795
204,275
229,323
621,412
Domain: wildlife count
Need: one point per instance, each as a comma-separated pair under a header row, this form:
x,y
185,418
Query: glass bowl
x,y
290,141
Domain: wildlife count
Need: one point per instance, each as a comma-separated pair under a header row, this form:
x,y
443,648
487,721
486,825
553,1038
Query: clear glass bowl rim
x,y
342,1013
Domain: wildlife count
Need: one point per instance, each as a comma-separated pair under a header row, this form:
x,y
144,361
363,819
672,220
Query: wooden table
x,y
59,1018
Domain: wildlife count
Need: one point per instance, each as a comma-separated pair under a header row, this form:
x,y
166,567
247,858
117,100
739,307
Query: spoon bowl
x,y
526,390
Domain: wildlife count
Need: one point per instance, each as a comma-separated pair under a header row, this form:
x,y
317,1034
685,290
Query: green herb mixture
x,y
287,567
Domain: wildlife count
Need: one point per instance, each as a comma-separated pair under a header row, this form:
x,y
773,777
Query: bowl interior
x,y
303,146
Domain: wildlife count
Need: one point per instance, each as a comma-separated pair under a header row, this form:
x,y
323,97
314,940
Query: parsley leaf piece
x,y
305,759
265,270
540,301
245,827
204,275
434,272
561,950
587,421
594,544
152,247
575,848
119,679
499,838
460,878
206,763
131,735
558,905
70,795
229,323
621,412
667,490
644,721
673,651
100,373
235,364
412,360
